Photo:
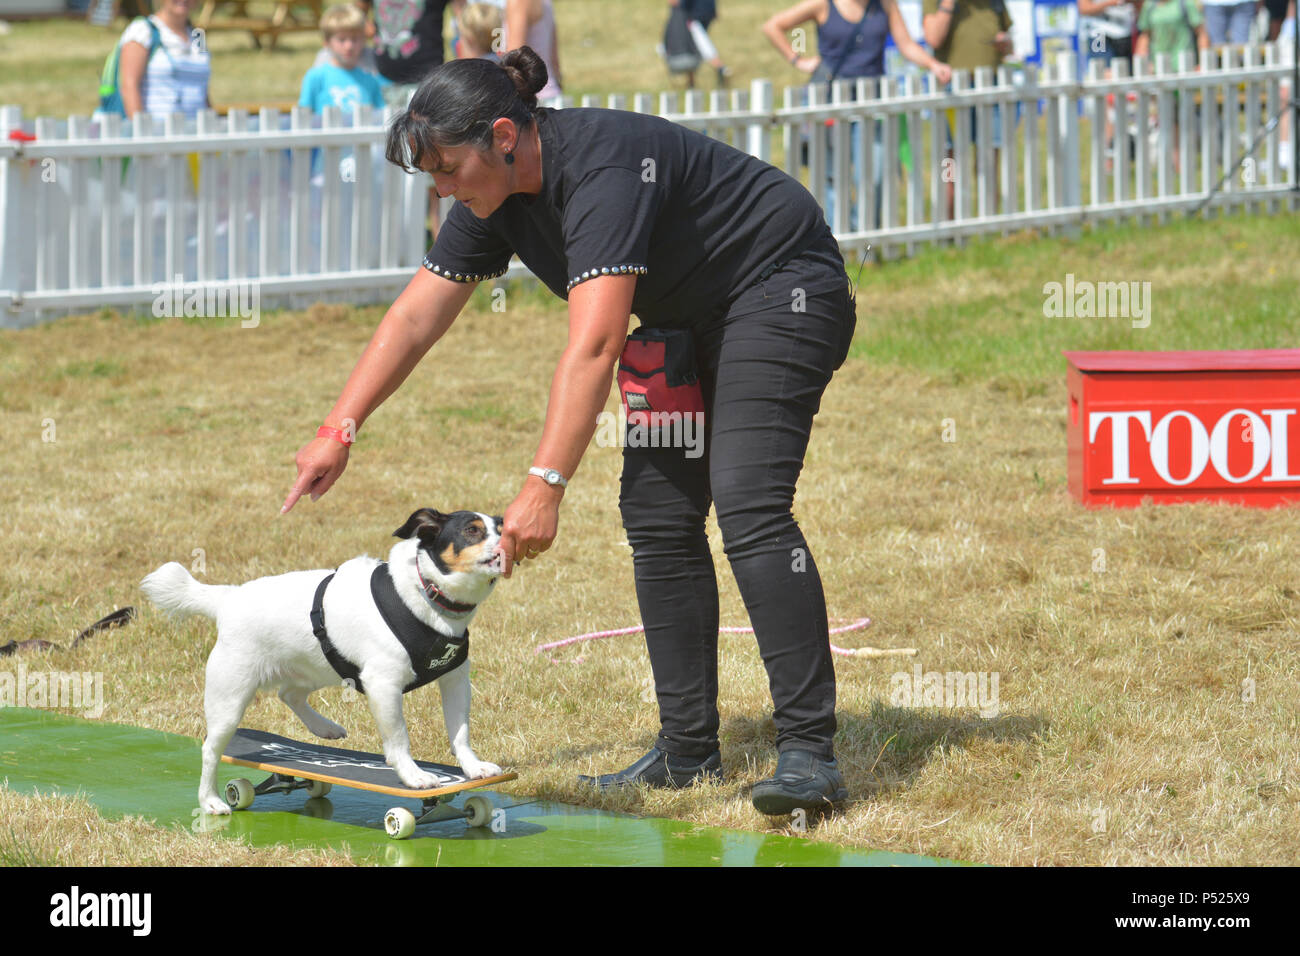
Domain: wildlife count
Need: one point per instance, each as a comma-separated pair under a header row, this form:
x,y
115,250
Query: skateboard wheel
x,y
318,788
478,811
239,794
399,822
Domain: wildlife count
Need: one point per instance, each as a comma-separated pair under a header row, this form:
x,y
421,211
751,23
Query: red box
x,y
1184,426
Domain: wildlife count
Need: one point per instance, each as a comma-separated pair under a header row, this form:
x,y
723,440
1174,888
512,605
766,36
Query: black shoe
x,y
660,769
804,781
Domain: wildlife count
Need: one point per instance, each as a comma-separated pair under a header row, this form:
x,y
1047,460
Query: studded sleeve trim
x,y
624,270
455,276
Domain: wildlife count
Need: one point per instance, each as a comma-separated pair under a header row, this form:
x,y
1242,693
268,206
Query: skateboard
x,y
295,765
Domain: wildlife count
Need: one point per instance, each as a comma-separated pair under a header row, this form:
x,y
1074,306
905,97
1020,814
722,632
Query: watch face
x,y
553,477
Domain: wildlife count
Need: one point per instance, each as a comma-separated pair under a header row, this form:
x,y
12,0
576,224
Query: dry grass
x,y
1121,638
36,832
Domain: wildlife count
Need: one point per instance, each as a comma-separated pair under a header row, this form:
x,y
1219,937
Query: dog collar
x,y
437,598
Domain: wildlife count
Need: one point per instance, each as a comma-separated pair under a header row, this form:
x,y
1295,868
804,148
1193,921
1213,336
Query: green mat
x,y
129,770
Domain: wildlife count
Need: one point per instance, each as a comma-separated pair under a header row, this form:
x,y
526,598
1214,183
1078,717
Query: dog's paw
x,y
478,769
417,779
215,806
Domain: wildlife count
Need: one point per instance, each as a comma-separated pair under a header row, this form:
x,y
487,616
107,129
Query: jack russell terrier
x,y
383,628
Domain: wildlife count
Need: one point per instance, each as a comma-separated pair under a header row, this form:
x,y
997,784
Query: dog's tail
x,y
173,589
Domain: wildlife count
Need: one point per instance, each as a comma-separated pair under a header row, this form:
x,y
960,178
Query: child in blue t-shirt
x,y
341,80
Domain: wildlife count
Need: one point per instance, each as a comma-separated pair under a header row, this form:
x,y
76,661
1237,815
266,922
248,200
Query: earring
x,y
510,159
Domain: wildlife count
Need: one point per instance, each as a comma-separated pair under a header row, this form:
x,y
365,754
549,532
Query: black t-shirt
x,y
696,221
408,38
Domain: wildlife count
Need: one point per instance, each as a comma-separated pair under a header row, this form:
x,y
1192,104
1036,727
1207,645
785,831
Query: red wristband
x,y
325,431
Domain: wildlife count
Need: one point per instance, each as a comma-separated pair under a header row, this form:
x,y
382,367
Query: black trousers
x,y
763,374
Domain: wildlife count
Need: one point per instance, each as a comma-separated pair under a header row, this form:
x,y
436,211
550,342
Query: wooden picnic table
x,y
288,16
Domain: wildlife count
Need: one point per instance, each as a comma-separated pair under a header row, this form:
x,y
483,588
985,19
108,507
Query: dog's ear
x,y
425,523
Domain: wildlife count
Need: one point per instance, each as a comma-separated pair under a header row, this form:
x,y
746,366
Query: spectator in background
x,y
699,15
1171,26
408,44
340,81
850,39
161,70
851,44
367,61
1277,15
480,32
1228,21
457,8
968,34
1108,30
531,23
1108,26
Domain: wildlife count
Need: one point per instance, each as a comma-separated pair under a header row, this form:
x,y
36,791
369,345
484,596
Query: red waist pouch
x,y
657,376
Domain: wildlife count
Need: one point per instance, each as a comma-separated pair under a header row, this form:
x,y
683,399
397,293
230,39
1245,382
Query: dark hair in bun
x,y
458,103
527,70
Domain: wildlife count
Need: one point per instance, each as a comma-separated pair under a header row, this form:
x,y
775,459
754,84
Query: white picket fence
x,y
104,214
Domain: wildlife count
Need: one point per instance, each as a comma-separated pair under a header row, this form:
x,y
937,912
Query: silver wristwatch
x,y
550,476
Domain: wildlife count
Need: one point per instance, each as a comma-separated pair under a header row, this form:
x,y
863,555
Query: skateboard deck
x,y
345,768
293,763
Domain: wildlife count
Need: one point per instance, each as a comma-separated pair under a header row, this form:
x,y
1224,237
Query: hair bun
x,y
527,70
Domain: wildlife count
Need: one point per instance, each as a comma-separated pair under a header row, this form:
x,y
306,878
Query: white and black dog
x,y
383,628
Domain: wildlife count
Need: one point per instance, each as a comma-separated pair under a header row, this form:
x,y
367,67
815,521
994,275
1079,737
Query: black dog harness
x,y
432,653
